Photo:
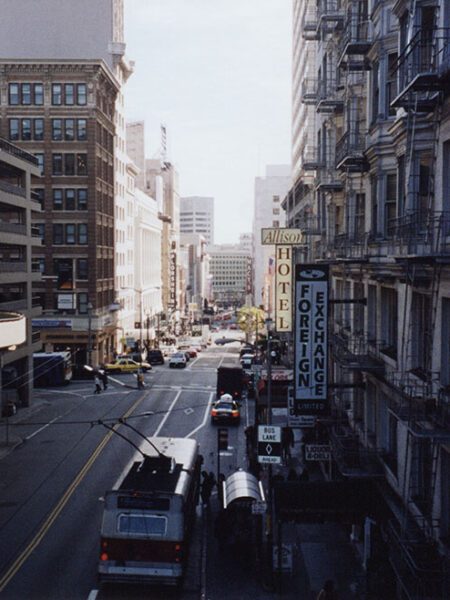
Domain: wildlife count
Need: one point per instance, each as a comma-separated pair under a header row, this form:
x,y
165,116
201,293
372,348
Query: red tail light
x,y
214,413
235,413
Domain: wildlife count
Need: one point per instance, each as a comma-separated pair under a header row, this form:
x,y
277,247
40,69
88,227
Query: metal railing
x,y
12,267
13,227
420,232
10,188
350,148
311,159
15,151
427,54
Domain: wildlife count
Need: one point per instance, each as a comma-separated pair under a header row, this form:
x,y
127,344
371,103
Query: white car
x,y
178,360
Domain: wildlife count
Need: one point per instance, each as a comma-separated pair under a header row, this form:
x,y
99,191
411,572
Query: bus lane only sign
x,y
269,444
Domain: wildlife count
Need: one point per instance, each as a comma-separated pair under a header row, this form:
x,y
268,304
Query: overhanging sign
x,y
311,313
280,235
269,444
317,452
283,288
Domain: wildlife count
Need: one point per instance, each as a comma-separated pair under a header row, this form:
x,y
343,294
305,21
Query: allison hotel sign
x,y
302,306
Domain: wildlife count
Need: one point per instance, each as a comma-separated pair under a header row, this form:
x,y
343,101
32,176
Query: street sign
x,y
269,444
317,452
286,557
295,420
259,507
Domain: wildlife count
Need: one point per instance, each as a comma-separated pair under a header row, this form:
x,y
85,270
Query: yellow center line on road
x,y
43,530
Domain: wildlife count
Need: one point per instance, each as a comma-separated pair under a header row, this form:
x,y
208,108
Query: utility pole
x,y
269,324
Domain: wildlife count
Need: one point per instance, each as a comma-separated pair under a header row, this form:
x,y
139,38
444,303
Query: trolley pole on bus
x,y
89,344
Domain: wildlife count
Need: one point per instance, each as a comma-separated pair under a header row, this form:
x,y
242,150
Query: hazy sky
x,y
217,73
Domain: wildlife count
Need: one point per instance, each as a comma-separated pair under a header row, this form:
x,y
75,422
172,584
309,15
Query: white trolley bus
x,y
148,517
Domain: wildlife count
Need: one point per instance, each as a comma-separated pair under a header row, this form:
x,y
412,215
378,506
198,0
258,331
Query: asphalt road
x,y
51,485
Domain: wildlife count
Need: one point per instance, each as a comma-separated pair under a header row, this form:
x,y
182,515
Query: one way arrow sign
x,y
269,444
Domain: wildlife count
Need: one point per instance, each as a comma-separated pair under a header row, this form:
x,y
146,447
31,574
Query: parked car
x,y
246,360
168,350
155,357
136,356
192,352
233,326
126,365
225,410
178,360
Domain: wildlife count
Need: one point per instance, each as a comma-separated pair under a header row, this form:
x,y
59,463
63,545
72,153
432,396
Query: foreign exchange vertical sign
x,y
283,289
311,312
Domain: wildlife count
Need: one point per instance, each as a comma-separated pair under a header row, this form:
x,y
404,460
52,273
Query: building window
x,y
70,199
56,94
82,234
276,198
40,159
38,94
69,95
69,164
275,211
82,268
70,233
81,129
390,207
375,91
40,196
275,223
69,130
83,302
57,199
13,94
360,205
81,94
57,164
421,333
58,234
39,129
26,93
41,229
372,313
81,164
82,199
14,129
26,129
391,83
57,130
389,321
374,206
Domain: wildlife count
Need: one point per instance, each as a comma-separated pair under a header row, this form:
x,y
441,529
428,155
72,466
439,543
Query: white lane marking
x,y
29,437
92,595
189,411
205,416
166,416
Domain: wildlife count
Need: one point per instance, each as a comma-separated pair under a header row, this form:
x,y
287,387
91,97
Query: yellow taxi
x,y
126,365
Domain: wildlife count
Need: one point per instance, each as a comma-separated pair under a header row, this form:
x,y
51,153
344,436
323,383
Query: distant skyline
x,y
217,74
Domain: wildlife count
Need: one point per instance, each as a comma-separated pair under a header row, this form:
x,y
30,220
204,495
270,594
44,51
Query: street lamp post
x,y
89,344
269,324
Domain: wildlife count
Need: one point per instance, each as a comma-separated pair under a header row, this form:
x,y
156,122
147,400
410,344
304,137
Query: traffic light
x,y
222,439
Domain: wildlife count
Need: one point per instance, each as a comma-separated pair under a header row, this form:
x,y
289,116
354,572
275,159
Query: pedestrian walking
x,y
205,490
140,379
104,379
98,389
328,591
287,441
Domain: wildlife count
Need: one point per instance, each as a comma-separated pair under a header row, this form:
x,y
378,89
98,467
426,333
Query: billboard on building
x,y
311,314
173,280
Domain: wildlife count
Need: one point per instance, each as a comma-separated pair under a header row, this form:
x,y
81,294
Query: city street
x,y
53,483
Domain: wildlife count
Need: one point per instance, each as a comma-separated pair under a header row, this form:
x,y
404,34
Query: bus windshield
x,y
141,524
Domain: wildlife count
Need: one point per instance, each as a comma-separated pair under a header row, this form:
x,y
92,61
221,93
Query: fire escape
x,y
420,244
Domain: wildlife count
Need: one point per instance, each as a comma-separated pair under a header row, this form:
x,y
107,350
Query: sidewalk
x,y
315,551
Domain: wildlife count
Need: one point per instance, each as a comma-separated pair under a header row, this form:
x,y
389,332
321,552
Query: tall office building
x,y
60,91
268,212
197,216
